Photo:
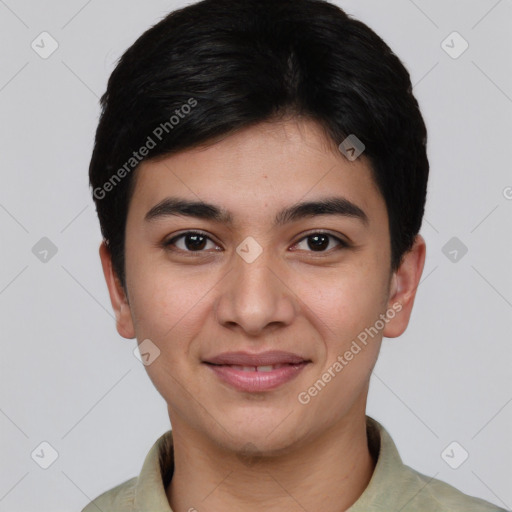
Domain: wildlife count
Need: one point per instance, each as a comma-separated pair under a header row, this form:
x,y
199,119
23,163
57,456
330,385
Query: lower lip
x,y
255,381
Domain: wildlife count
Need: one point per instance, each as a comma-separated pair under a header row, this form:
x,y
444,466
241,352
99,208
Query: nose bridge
x,y
255,280
254,295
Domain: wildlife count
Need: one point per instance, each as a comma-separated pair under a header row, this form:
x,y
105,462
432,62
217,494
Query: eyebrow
x,y
340,206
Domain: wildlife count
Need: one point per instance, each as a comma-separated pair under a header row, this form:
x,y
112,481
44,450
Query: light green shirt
x,y
394,487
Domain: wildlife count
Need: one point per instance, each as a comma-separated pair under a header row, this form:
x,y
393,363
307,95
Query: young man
x,y
260,176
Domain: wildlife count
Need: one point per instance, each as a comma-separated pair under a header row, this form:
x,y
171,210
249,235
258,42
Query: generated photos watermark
x,y
137,156
304,397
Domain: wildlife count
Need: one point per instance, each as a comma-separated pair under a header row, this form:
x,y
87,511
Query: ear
x,y
404,283
124,322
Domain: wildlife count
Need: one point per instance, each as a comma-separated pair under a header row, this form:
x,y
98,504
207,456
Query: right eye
x,y
191,241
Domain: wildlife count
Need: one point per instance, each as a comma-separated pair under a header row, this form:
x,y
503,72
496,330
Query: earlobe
x,y
118,299
404,284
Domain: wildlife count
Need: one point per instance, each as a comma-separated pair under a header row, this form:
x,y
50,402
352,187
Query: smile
x,y
256,379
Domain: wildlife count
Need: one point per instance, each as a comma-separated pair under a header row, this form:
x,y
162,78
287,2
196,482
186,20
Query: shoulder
x,y
438,496
118,499
396,486
147,490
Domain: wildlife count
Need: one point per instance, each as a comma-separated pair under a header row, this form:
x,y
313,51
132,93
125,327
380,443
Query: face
x,y
256,304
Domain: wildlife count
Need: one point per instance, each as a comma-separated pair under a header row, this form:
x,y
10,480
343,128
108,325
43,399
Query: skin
x,y
194,305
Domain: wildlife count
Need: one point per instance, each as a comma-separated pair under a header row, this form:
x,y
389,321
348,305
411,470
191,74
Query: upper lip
x,y
262,359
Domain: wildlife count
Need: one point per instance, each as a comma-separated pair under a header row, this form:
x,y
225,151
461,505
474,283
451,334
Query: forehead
x,y
261,168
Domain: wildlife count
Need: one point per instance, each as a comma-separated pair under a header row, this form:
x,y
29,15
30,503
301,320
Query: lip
x,y
262,359
253,381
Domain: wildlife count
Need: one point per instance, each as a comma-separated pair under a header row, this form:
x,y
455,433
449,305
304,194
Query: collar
x,y
158,469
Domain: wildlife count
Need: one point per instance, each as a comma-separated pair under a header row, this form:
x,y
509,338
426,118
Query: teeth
x,y
267,368
244,368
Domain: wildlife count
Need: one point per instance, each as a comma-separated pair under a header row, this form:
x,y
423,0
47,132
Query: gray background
x,y
69,379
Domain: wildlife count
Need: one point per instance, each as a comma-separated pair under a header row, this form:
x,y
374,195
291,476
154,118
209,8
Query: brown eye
x,y
191,241
319,242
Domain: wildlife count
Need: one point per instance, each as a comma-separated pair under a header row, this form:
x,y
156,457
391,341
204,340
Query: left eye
x,y
318,242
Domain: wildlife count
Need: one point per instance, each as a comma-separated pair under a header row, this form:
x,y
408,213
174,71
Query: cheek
x,y
345,314
345,303
170,311
164,304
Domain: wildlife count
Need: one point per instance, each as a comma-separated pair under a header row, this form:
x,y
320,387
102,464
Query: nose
x,y
255,297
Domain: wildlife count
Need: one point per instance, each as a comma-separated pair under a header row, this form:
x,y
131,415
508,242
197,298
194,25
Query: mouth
x,y
255,373
265,369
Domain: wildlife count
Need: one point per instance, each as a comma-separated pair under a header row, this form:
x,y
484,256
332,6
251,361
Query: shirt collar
x,y
155,475
390,478
158,468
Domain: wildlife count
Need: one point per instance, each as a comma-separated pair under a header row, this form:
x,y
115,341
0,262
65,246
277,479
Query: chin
x,y
270,434
255,444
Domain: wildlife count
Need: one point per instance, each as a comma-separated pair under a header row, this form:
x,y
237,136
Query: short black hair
x,y
217,66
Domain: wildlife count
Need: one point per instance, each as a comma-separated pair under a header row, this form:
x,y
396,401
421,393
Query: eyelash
x,y
169,243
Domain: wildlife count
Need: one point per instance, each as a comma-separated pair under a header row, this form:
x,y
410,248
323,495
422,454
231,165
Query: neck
x,y
328,473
